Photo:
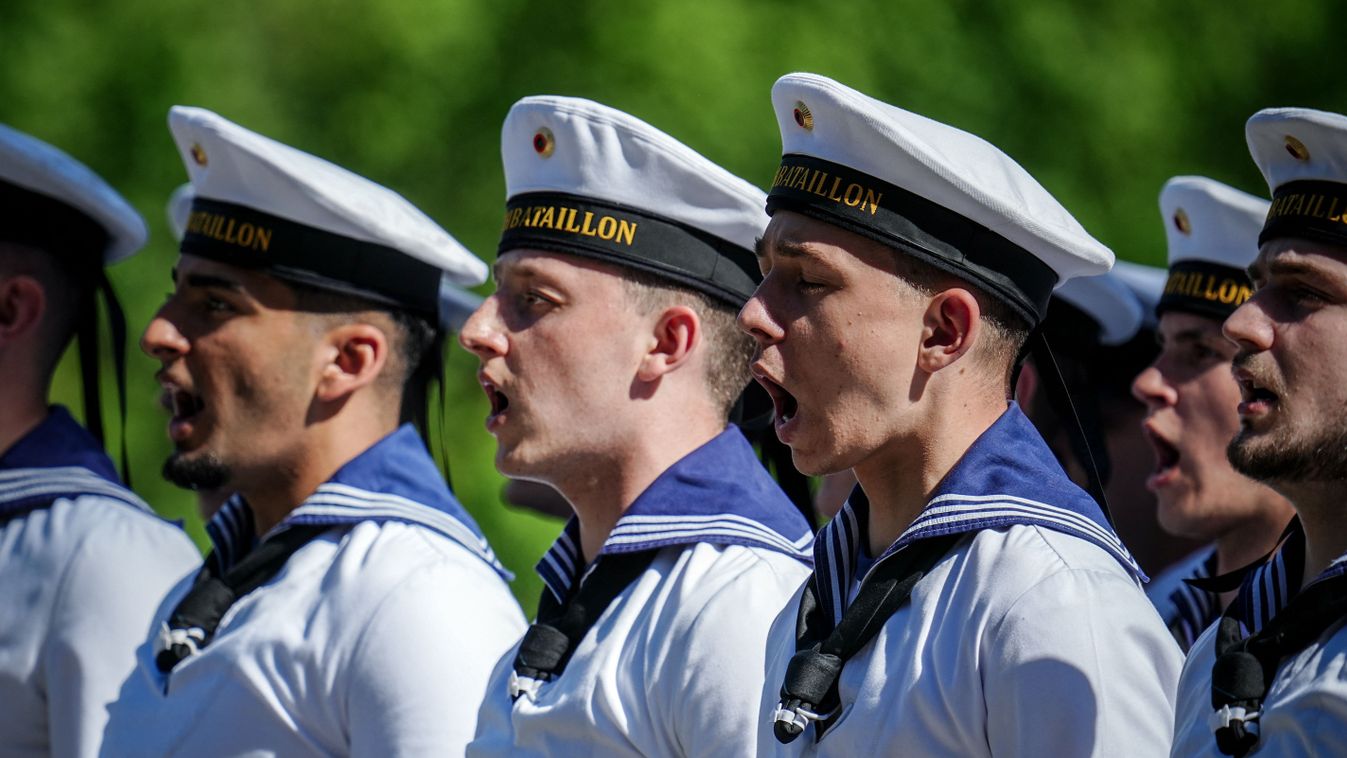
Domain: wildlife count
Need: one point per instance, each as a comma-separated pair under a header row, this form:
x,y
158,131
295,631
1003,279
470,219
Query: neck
x,y
1319,505
325,447
1251,540
22,413
900,478
606,484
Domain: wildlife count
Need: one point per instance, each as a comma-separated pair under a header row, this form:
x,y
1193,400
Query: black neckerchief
x,y
1246,666
550,641
193,622
809,692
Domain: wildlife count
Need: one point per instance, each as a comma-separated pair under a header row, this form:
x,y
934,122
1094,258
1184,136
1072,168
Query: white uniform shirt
x,y
674,665
1305,710
375,638
83,566
1031,637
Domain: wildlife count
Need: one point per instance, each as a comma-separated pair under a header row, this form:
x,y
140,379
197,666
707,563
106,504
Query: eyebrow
x,y
785,249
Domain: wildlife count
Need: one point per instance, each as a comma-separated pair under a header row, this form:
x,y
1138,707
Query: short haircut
x,y
728,350
68,286
1005,331
416,342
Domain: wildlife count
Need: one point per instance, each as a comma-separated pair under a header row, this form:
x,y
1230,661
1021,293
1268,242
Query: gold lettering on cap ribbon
x,y
817,182
229,230
565,219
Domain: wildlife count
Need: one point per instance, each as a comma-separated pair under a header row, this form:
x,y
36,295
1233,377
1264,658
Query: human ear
x,y
354,355
675,336
23,302
951,324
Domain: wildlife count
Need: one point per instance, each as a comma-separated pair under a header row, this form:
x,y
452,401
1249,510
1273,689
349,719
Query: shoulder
x,y
103,540
388,577
705,574
1028,577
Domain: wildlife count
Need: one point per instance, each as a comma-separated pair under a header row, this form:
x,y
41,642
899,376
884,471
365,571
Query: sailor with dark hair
x,y
1190,396
611,358
350,604
83,561
969,599
1270,676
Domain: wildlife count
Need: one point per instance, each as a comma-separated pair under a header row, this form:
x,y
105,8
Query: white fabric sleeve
x,y
103,611
421,667
1080,665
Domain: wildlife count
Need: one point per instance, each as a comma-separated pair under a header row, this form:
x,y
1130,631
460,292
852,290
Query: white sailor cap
x,y
1212,231
456,303
1147,283
258,203
584,179
1303,155
52,201
1106,301
935,192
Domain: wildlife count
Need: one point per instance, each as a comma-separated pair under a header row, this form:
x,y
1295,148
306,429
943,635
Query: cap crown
x,y
1209,221
228,163
584,179
949,167
34,165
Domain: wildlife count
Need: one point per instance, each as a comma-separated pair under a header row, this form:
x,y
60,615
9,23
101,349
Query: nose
x,y
162,340
1152,390
1249,327
756,321
481,334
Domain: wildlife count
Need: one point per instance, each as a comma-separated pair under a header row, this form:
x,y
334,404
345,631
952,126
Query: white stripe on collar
x,y
342,503
634,531
951,510
62,481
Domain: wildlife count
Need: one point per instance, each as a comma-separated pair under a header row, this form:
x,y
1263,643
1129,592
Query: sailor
x,y
611,359
83,561
1102,333
1269,677
969,599
350,605
456,304
1212,231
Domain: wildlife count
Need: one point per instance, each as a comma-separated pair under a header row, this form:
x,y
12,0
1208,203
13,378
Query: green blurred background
x,y
1101,102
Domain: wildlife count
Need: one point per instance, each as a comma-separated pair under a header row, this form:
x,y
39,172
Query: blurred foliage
x,y
1101,102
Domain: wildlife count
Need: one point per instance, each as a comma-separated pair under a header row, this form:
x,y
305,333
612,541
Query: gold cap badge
x,y
1181,222
198,154
803,118
1297,149
544,143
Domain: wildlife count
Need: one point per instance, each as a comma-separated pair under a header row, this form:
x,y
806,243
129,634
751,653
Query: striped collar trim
x,y
837,544
332,504
563,563
23,489
1194,609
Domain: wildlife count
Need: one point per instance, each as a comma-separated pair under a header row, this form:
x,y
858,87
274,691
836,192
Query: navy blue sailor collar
x,y
58,458
394,480
1267,589
718,494
1007,477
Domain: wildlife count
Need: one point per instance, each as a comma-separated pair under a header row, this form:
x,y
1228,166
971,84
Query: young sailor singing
x,y
974,601
350,605
611,358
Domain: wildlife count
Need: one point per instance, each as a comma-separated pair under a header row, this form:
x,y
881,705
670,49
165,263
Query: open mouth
x,y
500,402
1166,455
783,403
1251,393
184,408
